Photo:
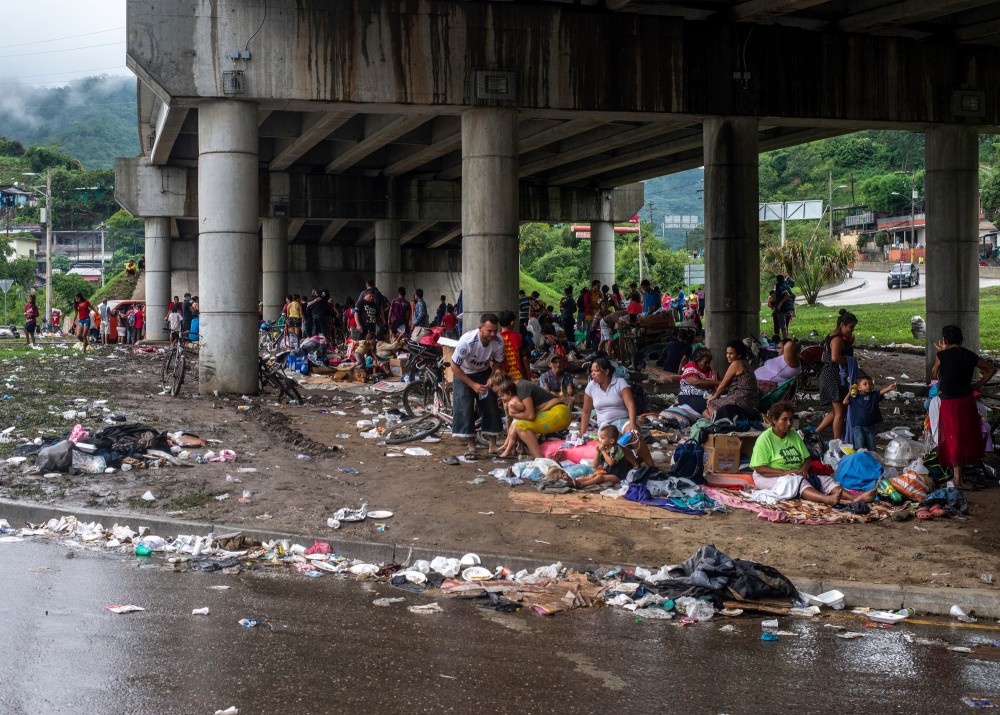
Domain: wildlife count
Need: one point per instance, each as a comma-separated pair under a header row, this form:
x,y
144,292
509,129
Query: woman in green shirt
x,y
780,463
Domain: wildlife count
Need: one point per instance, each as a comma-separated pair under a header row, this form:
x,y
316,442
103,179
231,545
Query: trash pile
x,y
125,446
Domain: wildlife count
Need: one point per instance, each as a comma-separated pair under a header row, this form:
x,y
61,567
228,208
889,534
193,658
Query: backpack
x,y
130,319
689,462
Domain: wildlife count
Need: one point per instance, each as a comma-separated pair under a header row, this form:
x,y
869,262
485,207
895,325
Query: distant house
x,y
91,275
16,197
22,245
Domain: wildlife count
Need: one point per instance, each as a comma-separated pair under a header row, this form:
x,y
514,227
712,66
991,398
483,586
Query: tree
x,y
812,263
66,285
61,262
990,183
40,158
22,270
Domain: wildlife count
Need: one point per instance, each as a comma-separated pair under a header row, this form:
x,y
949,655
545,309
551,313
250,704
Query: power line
x,y
67,37
68,49
50,74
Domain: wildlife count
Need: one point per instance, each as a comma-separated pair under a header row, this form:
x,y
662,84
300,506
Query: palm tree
x,y
812,263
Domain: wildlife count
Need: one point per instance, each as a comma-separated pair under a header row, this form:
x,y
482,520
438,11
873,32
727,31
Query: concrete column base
x,y
490,251
274,264
951,185
387,257
602,252
157,274
732,241
229,245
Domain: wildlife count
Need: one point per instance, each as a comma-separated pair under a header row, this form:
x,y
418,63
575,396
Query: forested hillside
x,y
93,119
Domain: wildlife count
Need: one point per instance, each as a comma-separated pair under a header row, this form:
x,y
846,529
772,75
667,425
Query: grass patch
x,y
888,322
27,491
194,500
545,293
119,287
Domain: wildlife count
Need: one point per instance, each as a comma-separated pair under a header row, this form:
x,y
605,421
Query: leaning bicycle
x,y
174,365
273,380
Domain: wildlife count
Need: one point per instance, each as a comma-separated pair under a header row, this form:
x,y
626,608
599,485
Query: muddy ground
x,y
434,505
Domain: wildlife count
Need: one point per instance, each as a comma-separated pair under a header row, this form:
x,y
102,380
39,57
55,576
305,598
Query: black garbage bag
x,y
710,568
56,458
756,581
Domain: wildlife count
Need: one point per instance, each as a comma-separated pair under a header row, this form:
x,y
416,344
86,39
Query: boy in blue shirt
x,y
866,416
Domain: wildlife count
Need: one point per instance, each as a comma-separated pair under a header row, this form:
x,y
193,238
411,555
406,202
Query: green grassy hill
x,y
549,295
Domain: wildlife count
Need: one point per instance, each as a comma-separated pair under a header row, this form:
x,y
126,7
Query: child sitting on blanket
x,y
613,462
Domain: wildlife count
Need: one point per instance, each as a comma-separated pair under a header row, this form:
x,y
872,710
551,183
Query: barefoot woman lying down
x,y
780,463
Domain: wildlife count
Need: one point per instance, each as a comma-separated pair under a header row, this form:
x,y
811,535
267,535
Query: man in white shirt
x,y
478,355
105,312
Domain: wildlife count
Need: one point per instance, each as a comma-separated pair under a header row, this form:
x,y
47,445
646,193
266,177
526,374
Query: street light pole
x,y
913,220
48,247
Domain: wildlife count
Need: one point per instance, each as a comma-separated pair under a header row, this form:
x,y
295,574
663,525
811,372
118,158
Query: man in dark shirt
x,y
677,352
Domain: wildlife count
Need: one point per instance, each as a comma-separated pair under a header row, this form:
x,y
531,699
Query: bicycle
x,y
276,336
429,402
271,376
174,365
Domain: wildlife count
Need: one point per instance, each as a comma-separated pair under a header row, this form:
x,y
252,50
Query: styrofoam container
x,y
886,616
830,599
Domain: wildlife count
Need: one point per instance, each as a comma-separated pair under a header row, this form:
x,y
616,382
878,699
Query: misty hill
x,y
93,119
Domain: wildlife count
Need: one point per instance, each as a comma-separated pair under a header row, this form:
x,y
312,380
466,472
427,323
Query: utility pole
x,y
913,220
830,205
48,247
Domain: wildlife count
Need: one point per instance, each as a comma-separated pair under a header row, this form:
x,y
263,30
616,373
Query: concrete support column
x,y
157,275
490,211
732,242
228,250
387,257
602,252
274,263
951,185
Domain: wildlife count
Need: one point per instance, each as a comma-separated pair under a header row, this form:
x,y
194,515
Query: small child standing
x,y
866,415
613,462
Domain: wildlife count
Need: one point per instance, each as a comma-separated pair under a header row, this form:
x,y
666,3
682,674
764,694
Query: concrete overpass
x,y
315,142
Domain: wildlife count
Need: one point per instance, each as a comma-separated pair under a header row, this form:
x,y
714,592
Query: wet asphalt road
x,y
323,648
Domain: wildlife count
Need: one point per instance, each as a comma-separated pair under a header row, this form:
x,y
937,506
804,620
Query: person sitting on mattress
x,y
780,463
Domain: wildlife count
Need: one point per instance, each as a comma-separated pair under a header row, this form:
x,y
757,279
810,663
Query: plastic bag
x,y
89,463
56,458
901,451
834,453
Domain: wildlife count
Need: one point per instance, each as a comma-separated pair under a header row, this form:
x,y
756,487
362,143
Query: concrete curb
x,y
937,601
838,290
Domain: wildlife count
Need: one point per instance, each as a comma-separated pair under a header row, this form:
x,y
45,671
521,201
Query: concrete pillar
x,y
157,275
228,250
732,242
387,257
951,185
274,263
602,252
490,211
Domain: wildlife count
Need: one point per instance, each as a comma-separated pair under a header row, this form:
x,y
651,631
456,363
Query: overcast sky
x,y
93,40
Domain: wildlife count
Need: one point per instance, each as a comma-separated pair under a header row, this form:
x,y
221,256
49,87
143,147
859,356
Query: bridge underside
x,y
315,142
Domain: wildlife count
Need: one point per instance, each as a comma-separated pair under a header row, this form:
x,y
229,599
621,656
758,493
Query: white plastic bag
x,y
834,453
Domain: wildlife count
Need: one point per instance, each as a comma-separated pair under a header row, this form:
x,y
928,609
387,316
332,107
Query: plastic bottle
x,y
906,612
142,550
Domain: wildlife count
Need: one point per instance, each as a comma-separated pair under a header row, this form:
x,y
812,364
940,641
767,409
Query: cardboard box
x,y
397,366
723,452
446,352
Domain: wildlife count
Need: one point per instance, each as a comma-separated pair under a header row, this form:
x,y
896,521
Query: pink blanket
x,y
573,454
797,511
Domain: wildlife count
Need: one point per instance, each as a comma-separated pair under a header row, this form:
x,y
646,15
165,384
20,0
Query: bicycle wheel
x,y
412,430
445,398
265,343
418,399
180,367
167,370
287,387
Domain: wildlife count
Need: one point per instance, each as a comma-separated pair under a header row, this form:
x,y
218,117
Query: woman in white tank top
x,y
783,367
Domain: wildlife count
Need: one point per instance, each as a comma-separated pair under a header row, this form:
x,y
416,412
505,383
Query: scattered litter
x,y
959,649
728,628
249,622
850,635
985,578
487,513
220,588
957,612
222,497
148,496
981,703
416,452
125,608
768,636
231,710
246,470
200,611
379,514
430,608
386,602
